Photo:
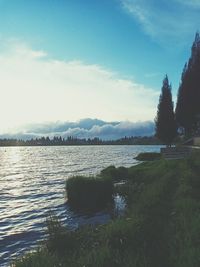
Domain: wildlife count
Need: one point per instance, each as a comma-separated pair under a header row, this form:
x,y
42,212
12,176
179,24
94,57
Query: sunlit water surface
x,y
32,183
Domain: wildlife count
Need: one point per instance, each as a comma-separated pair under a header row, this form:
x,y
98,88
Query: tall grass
x,y
89,193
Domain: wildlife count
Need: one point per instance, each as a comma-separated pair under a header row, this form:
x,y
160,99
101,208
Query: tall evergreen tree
x,y
188,101
165,124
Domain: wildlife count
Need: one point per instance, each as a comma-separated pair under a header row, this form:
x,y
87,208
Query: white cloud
x,y
86,128
109,131
167,21
35,88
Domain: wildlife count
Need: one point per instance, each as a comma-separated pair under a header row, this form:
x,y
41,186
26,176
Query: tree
x,y
165,124
188,100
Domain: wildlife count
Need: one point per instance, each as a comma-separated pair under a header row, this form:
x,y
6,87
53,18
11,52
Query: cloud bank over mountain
x,y
86,128
38,88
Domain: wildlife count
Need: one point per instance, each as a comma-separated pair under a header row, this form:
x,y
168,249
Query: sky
x,y
63,60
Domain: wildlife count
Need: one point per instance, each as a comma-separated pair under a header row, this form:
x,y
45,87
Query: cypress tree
x,y
165,124
185,115
188,100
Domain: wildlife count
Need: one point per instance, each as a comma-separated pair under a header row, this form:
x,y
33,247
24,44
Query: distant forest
x,y
71,141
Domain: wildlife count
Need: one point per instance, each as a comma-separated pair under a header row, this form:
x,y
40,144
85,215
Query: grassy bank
x,y
161,227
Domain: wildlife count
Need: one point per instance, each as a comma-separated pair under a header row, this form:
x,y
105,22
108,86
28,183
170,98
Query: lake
x,y
32,183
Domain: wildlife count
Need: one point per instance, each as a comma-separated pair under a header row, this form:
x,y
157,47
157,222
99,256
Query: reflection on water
x,y
32,182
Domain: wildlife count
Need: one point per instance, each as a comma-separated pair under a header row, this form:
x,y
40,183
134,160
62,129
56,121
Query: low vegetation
x,y
148,156
161,226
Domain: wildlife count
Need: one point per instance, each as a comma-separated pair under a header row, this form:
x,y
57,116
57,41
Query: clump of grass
x,y
148,156
89,193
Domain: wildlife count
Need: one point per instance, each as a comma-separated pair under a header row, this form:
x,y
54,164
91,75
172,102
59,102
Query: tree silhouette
x,y
188,100
165,124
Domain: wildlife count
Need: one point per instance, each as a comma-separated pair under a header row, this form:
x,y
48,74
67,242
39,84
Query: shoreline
x,y
161,196
81,145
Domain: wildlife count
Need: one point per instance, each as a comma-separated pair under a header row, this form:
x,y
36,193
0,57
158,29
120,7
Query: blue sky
x,y
105,58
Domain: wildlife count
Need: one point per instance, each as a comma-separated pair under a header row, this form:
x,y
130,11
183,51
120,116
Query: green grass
x,y
161,227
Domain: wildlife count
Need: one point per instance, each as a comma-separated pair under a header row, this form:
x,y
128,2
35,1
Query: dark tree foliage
x,y
73,141
165,124
188,101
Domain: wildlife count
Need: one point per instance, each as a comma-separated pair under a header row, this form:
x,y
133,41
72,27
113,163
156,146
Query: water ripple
x,y
32,182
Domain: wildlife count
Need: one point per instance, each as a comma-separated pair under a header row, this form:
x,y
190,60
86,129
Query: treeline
x,y
188,102
184,120
72,141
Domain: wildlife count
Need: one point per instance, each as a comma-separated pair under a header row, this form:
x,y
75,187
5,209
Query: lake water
x,y
32,183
